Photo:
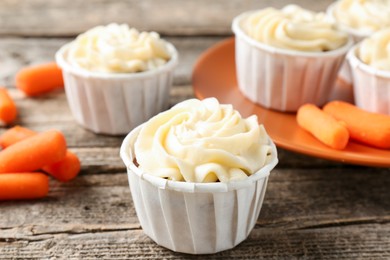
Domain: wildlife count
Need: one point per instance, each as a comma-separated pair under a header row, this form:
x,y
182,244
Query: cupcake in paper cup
x,y
198,175
288,57
117,77
360,19
370,66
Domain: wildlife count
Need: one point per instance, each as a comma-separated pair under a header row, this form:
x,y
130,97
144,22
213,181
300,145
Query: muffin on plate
x,y
198,174
117,77
370,66
288,57
360,19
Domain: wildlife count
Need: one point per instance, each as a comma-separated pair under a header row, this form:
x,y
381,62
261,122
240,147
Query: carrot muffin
x,y
288,57
370,66
116,77
198,174
361,18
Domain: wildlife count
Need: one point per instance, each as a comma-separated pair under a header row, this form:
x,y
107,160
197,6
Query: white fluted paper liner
x,y
284,79
195,218
371,85
114,104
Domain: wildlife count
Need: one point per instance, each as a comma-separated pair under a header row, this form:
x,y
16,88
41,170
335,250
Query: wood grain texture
x,y
329,243
169,17
313,209
306,213
295,199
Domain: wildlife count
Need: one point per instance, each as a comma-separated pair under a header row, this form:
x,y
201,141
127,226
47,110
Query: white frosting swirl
x,y
202,141
118,49
294,28
375,50
367,16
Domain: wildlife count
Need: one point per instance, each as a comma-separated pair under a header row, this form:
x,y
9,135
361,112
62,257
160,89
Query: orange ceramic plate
x,y
214,75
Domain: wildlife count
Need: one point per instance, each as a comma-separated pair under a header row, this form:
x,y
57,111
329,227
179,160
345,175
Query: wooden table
x,y
313,208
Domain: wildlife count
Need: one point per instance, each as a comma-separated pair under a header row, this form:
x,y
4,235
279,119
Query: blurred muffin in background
x,y
360,19
117,77
370,66
288,57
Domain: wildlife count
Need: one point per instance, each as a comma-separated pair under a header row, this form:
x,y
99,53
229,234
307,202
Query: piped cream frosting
x,y
202,141
375,50
118,49
294,28
366,16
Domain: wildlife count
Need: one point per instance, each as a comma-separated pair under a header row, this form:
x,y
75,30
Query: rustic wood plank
x,y
305,198
170,17
341,213
295,199
370,242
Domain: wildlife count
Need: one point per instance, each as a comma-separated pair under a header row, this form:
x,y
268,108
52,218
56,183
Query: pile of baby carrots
x,y
27,156
338,122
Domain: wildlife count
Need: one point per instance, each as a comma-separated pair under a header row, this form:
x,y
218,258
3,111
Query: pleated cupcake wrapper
x,y
371,86
195,218
284,79
116,103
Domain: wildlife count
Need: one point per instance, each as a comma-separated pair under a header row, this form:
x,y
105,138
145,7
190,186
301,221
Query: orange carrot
x,y
29,185
14,135
66,169
39,79
34,152
63,170
8,109
363,126
323,126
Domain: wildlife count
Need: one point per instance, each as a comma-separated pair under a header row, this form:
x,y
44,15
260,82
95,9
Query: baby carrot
x,y
323,126
34,152
8,109
29,185
39,79
66,169
63,170
14,135
363,126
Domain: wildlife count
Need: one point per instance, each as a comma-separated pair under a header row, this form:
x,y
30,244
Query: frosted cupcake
x,y
360,19
288,57
370,66
198,174
116,77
